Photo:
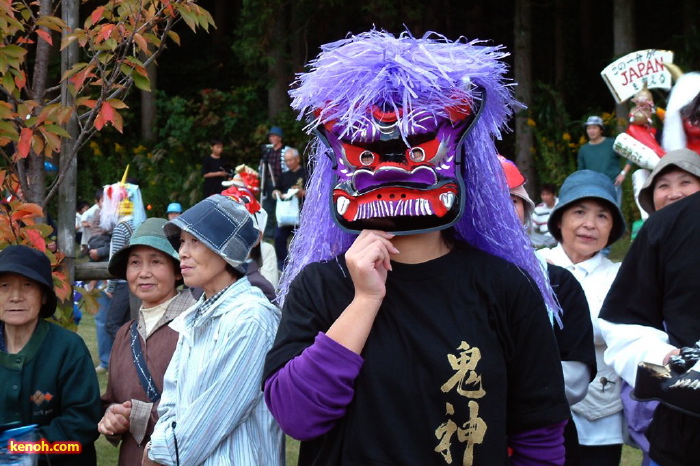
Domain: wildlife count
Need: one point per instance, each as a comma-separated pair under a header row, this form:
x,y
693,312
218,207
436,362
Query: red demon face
x,y
399,173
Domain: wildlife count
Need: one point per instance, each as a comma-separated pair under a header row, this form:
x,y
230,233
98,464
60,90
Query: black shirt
x,y
658,286
575,337
290,179
209,165
461,353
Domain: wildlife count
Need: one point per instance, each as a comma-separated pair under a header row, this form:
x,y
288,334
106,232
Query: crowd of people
x,y
404,302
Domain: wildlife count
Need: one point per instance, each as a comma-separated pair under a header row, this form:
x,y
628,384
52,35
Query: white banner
x,y
627,75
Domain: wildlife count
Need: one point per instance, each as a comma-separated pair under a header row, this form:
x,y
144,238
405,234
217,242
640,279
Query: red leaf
x,y
20,80
96,15
61,286
36,239
104,116
26,211
44,35
99,121
108,111
105,32
25,141
79,78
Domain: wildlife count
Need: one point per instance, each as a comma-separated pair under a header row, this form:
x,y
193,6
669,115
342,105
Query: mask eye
x,y
366,158
417,154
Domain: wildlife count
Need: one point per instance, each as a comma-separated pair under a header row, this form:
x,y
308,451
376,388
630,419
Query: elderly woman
x,y
143,347
676,176
212,410
586,220
575,335
46,373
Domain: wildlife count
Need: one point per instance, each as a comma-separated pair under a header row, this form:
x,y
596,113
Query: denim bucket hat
x,y
587,184
151,234
34,265
683,159
222,224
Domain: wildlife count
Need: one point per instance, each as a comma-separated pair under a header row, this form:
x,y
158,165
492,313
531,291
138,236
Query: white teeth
x,y
447,199
341,205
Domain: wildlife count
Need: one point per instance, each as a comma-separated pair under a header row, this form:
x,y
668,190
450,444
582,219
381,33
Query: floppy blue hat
x,y
592,185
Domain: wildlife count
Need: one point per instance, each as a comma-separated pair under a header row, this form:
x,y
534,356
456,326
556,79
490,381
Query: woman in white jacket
x,y
586,220
212,410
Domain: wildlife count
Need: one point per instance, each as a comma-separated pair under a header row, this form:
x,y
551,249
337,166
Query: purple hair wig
x,y
429,74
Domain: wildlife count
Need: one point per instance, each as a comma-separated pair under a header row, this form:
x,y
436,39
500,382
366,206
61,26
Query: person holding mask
x,y
413,326
295,178
143,347
46,374
212,409
586,220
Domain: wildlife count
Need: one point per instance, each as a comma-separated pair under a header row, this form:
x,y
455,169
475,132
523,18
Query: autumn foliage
x,y
117,42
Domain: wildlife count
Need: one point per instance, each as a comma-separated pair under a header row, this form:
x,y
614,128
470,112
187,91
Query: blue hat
x,y
222,224
276,130
34,265
174,208
587,184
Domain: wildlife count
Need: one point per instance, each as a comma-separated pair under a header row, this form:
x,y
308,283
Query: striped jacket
x,y
212,404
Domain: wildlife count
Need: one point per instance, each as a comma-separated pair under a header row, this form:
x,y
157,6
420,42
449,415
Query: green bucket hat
x,y
151,234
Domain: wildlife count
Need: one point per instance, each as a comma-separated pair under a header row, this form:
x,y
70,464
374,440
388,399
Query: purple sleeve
x,y
537,447
310,393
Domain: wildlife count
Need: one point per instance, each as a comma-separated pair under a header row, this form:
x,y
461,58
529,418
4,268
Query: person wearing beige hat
x,y
676,176
650,315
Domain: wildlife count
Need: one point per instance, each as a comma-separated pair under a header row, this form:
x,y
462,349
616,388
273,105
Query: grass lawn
x,y
107,454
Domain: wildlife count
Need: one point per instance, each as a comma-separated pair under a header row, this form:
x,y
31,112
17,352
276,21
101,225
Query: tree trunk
x,y
522,47
277,98
623,33
33,184
297,41
560,33
67,196
220,46
149,111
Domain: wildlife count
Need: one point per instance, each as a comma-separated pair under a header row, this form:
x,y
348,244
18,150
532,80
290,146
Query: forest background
x,y
232,83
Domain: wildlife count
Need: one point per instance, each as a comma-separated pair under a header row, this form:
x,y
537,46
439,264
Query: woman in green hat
x,y
143,348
